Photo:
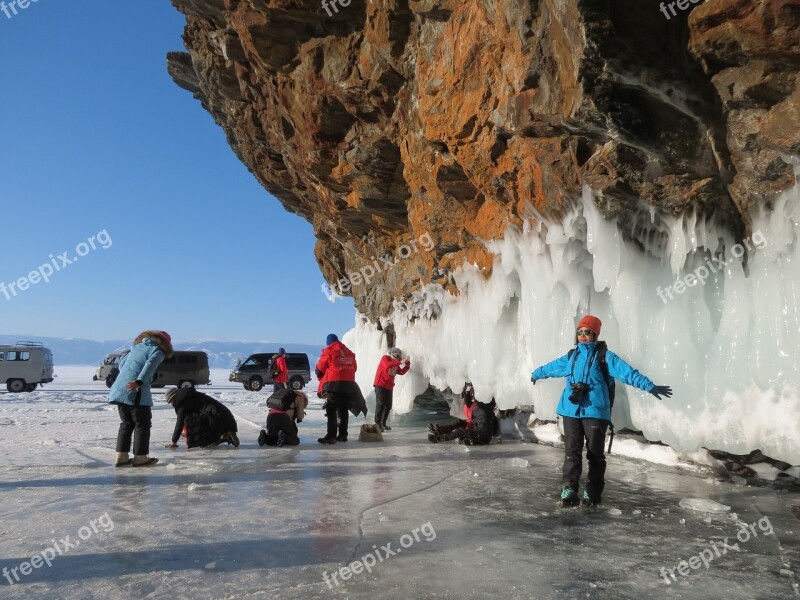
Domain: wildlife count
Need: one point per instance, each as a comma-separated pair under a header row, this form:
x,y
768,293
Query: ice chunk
x,y
519,462
614,511
704,505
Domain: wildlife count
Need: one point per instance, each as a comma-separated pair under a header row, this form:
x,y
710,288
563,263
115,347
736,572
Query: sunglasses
x,y
584,332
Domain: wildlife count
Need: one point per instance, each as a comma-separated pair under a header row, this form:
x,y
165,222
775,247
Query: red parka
x,y
384,377
337,363
283,372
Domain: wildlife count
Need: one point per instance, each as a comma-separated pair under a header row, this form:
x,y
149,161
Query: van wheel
x,y
30,387
16,385
256,384
297,383
186,384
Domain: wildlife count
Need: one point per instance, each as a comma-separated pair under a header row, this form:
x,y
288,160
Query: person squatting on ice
x,y
336,370
131,393
282,422
206,421
281,377
585,407
391,365
477,427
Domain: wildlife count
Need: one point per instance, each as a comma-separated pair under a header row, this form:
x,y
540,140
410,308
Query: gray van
x,y
110,363
184,369
253,373
25,365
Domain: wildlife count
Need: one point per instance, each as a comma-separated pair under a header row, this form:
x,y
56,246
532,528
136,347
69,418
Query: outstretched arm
x,y
621,370
556,368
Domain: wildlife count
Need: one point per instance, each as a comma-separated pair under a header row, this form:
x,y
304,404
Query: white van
x,y
25,365
110,362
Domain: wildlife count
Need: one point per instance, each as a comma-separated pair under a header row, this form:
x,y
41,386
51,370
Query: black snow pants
x,y
135,421
383,404
594,432
337,409
276,423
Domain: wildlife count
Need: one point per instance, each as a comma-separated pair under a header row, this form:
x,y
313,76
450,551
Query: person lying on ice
x,y
208,422
282,423
477,427
585,407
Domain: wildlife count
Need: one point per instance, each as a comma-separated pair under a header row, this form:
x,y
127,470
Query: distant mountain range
x,y
221,354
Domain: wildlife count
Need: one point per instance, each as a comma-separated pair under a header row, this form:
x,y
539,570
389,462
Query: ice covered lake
x,y
402,519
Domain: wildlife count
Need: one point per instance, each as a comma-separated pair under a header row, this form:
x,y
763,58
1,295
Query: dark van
x,y
253,373
184,369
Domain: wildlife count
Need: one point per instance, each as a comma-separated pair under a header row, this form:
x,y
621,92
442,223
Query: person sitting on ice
x,y
206,421
477,427
585,407
282,423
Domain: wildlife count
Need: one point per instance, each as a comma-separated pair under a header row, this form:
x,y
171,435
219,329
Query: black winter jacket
x,y
205,418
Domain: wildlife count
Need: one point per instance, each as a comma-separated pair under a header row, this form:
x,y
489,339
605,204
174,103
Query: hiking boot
x,y
569,497
233,438
123,459
587,502
262,438
435,439
281,438
341,438
385,427
327,440
434,429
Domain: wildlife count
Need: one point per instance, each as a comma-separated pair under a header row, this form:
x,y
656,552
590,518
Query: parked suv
x,y
25,365
184,369
253,373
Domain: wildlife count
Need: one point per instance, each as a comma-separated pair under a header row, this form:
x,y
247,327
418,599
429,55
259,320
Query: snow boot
x,y
569,497
327,440
123,459
435,439
281,438
341,438
434,429
232,438
142,460
587,501
385,427
262,438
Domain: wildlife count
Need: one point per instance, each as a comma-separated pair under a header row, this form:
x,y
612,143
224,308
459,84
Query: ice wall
x,y
728,346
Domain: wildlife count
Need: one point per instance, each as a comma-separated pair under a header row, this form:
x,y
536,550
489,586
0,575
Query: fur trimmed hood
x,y
159,339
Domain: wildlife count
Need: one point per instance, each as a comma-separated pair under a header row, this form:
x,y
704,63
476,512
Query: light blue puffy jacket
x,y
140,363
594,405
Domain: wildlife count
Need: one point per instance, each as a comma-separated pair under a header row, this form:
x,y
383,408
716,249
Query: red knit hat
x,y
166,335
590,322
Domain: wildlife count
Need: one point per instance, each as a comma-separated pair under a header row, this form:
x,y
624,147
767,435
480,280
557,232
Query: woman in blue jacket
x,y
585,407
131,394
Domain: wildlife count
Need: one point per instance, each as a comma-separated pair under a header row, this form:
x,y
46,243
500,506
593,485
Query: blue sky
x,y
96,137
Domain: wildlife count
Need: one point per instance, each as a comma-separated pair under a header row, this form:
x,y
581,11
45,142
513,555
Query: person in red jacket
x,y
336,368
390,365
282,378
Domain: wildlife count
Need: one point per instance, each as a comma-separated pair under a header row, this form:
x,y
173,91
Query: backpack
x,y
273,368
600,352
281,400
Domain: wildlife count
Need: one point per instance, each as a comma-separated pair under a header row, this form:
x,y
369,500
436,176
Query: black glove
x,y
533,381
661,390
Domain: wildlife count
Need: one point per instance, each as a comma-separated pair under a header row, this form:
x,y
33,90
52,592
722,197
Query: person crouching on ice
x,y
477,427
585,407
207,421
391,365
282,424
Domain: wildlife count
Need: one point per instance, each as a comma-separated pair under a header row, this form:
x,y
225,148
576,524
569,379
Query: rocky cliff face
x,y
387,121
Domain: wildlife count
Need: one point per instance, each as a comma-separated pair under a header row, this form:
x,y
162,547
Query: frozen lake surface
x,y
413,519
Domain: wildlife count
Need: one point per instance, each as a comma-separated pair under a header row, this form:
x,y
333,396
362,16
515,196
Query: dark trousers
x,y
276,423
383,404
278,386
594,432
135,421
337,410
